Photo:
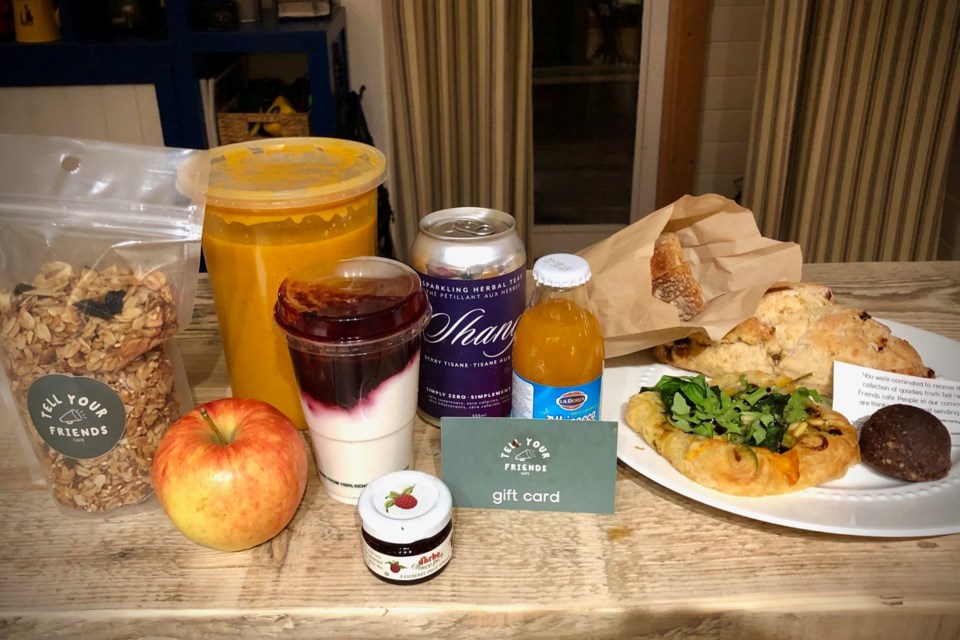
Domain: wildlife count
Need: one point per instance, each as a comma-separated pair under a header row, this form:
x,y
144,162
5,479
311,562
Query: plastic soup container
x,y
274,208
354,334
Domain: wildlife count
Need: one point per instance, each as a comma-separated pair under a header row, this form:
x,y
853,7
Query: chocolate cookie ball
x,y
906,442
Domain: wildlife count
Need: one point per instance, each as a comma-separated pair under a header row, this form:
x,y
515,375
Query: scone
x,y
797,331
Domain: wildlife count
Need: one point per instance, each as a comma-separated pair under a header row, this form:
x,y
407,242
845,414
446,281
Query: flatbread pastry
x,y
812,445
798,330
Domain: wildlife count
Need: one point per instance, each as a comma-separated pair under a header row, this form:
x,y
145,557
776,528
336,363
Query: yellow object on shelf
x,y
36,21
235,127
274,129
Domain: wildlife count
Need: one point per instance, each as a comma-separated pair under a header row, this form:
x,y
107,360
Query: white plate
x,y
862,503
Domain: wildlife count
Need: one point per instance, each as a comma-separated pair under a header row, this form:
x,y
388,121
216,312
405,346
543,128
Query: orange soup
x,y
247,263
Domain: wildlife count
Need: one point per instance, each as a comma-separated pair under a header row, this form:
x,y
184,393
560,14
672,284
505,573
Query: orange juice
x,y
560,344
558,348
277,207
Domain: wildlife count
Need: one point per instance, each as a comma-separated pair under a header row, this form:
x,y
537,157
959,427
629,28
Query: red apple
x,y
231,473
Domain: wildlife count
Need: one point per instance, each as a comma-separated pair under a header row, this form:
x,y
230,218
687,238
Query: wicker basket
x,y
233,126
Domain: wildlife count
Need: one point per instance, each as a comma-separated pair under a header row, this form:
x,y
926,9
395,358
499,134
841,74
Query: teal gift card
x,y
542,465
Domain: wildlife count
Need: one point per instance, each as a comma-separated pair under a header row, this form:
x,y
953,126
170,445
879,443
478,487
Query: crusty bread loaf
x,y
671,278
797,331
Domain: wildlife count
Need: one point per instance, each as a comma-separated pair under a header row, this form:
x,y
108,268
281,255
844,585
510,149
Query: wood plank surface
x,y
662,566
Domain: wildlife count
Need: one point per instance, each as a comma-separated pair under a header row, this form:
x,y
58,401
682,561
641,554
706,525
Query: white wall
x,y
124,113
367,67
729,86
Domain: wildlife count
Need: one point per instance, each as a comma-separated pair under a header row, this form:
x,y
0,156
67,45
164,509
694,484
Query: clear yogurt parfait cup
x,y
354,334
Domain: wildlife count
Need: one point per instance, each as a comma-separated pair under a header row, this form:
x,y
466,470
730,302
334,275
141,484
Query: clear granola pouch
x,y
99,256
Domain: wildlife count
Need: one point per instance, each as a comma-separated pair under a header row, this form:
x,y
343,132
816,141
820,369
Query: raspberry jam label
x,y
466,357
79,417
405,568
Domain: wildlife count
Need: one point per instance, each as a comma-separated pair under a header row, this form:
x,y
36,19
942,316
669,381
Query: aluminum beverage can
x,y
473,268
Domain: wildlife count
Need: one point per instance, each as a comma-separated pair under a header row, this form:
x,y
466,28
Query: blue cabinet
x,y
175,62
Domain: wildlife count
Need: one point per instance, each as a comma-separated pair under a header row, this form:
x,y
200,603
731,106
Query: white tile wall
x,y
732,58
729,82
724,125
728,93
737,3
734,21
718,157
112,113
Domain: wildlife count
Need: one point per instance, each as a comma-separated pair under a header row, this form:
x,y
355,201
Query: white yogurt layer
x,y
354,447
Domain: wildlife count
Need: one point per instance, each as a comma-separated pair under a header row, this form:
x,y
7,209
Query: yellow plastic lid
x,y
284,173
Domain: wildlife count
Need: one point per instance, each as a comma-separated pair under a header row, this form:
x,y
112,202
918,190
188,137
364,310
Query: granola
x,y
110,325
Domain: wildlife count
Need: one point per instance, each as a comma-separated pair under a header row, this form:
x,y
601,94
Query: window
x,y
586,56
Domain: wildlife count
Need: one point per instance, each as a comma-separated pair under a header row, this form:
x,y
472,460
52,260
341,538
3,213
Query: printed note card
x,y
858,392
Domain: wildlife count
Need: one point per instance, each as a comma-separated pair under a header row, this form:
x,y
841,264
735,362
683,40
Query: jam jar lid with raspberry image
x,y
406,521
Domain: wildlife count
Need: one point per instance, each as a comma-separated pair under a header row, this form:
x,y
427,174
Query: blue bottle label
x,y
534,400
465,357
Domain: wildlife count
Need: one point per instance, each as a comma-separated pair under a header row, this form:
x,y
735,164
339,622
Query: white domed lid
x,y
561,270
422,512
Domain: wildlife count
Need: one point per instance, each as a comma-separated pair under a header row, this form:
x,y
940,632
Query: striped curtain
x,y
459,75
856,106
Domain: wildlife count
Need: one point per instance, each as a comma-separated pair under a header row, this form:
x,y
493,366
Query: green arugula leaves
x,y
755,416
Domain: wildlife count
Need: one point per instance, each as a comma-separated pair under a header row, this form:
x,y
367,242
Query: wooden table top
x,y
661,566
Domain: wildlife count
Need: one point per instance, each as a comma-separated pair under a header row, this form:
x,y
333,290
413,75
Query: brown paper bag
x,y
733,262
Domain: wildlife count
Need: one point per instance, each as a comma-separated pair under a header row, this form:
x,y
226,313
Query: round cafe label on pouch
x,y
79,417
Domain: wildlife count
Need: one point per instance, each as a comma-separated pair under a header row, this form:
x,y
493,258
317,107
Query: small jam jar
x,y
406,524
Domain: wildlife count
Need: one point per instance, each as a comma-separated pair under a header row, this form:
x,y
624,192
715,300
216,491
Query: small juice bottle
x,y
558,348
